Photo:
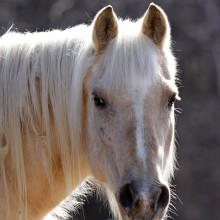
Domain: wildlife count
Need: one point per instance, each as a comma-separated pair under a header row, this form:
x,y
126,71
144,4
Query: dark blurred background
x,y
196,42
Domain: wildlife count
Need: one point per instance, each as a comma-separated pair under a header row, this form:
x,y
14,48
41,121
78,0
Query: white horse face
x,y
130,123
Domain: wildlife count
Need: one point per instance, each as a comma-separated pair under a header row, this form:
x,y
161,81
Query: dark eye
x,y
100,103
171,100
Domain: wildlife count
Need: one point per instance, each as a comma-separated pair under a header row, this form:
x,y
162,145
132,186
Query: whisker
x,y
178,110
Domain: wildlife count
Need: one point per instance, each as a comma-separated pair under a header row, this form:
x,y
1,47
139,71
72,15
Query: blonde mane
x,y
50,64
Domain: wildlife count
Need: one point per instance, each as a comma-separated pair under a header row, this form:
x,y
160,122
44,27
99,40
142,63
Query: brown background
x,y
196,42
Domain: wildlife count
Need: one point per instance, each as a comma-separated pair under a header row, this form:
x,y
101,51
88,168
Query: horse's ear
x,y
105,28
156,26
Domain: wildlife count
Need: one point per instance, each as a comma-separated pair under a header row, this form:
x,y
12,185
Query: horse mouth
x,y
146,217
133,218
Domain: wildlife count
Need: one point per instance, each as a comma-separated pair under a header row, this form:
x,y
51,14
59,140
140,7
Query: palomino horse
x,y
90,101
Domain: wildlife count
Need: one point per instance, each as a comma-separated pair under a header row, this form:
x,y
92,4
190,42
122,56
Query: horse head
x,y
130,93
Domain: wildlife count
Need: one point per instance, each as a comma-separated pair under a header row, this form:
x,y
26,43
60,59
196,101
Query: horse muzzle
x,y
139,203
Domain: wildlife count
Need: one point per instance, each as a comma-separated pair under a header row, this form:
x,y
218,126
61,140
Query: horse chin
x,y
142,218
147,216
139,218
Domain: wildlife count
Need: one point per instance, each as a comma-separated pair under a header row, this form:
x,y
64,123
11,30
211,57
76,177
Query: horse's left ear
x,y
156,26
105,28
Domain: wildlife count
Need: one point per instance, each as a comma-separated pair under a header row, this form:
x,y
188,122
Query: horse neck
x,y
51,156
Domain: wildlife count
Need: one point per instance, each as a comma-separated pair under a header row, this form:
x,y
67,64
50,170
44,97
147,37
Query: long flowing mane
x,y
41,78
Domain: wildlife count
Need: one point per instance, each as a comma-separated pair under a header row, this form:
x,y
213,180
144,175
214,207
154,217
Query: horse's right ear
x,y
105,28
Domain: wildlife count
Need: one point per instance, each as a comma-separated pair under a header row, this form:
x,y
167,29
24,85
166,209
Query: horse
x,y
92,101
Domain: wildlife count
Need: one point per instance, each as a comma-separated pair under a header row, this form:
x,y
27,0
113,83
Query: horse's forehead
x,y
136,63
133,88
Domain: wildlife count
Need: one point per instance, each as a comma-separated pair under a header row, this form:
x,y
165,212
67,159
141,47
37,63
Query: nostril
x,y
133,201
163,198
127,196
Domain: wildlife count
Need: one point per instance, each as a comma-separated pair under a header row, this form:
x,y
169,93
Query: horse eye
x,y
171,100
100,103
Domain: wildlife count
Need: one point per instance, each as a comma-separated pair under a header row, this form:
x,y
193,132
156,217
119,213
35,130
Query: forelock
x,y
130,56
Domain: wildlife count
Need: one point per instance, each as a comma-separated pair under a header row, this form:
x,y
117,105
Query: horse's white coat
x,y
59,59
139,95
139,113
